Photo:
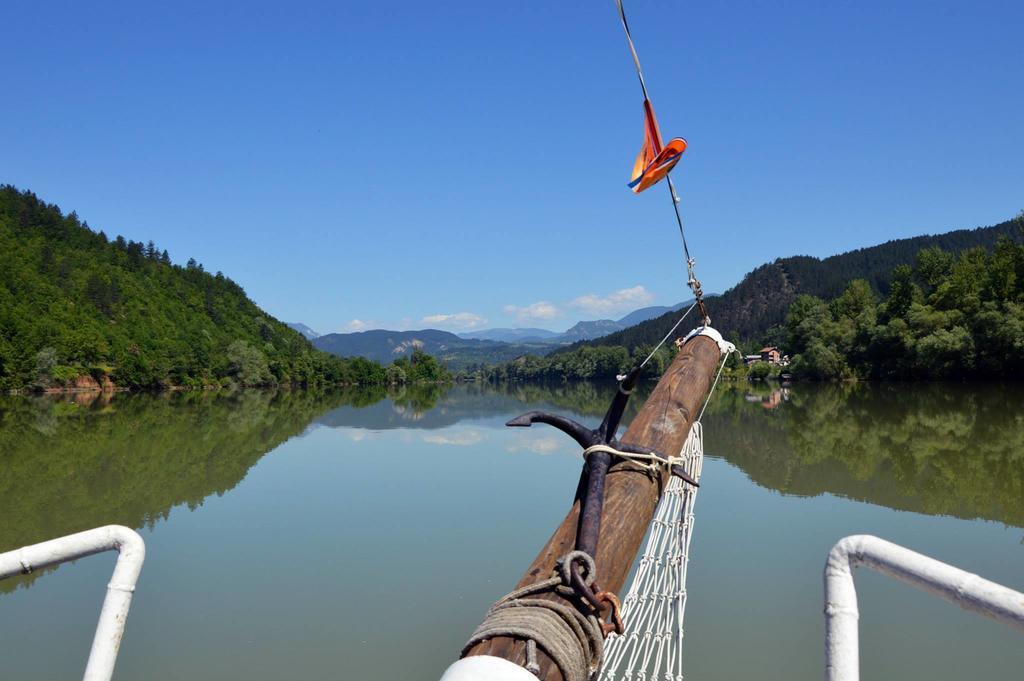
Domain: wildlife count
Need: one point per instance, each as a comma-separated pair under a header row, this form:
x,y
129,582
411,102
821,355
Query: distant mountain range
x,y
309,333
747,311
645,313
473,348
458,353
512,335
579,331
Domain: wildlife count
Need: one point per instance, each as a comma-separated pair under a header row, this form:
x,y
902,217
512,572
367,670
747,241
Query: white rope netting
x,y
651,645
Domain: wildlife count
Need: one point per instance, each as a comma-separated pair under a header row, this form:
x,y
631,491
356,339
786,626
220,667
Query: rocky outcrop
x,y
85,384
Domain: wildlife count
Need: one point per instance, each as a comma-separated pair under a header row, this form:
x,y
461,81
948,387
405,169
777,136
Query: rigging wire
x,y
632,48
667,336
692,280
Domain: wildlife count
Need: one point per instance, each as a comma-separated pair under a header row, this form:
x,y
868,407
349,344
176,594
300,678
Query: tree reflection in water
x,y
73,463
940,449
85,460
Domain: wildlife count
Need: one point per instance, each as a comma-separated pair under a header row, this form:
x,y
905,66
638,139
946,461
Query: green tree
x,y
1005,272
946,353
248,364
805,321
964,286
759,371
856,301
820,362
902,294
423,368
395,375
934,265
46,363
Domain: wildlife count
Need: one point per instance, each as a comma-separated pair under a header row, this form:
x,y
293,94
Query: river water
x,y
363,535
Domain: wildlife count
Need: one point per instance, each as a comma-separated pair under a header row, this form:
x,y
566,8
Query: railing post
x,y
131,553
957,586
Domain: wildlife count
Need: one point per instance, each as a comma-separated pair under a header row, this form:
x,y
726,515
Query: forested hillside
x,y
76,306
953,309
759,302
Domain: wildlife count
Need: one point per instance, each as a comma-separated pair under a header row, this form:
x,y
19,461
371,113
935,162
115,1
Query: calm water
x,y
297,535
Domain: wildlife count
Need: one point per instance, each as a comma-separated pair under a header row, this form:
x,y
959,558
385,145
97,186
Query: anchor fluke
x,y
522,421
584,436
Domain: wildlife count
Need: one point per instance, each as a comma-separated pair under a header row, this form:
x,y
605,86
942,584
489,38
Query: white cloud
x,y
360,325
355,325
541,311
623,300
545,445
458,320
465,438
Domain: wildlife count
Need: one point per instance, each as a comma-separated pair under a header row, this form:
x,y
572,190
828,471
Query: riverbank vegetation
x,y
935,448
80,309
949,316
583,363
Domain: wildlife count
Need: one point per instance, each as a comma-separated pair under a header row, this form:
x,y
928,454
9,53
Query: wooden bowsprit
x,y
552,626
629,500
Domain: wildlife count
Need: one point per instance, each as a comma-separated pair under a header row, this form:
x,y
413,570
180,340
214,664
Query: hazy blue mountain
x,y
458,353
590,330
384,346
512,335
645,313
602,327
309,333
586,330
471,348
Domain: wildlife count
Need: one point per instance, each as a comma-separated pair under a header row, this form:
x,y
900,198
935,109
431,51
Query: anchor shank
x,y
589,531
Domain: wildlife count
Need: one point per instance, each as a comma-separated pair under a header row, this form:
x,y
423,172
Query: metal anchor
x,y
597,463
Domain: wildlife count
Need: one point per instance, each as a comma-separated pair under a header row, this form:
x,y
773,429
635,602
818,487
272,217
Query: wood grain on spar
x,y
630,495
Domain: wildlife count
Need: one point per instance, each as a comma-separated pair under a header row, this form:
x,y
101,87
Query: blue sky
x,y
459,164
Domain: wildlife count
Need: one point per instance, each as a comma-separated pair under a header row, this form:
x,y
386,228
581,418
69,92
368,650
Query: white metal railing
x,y
967,590
110,628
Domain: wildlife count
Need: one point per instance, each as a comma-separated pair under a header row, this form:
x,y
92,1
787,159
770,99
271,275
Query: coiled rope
x,y
574,641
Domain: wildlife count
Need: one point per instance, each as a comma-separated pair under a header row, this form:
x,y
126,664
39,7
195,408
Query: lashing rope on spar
x,y
653,461
571,635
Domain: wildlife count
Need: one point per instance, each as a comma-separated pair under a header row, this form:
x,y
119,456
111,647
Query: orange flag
x,y
654,160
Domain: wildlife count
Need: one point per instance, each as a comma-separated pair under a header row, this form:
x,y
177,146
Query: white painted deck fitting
x,y
969,591
110,629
